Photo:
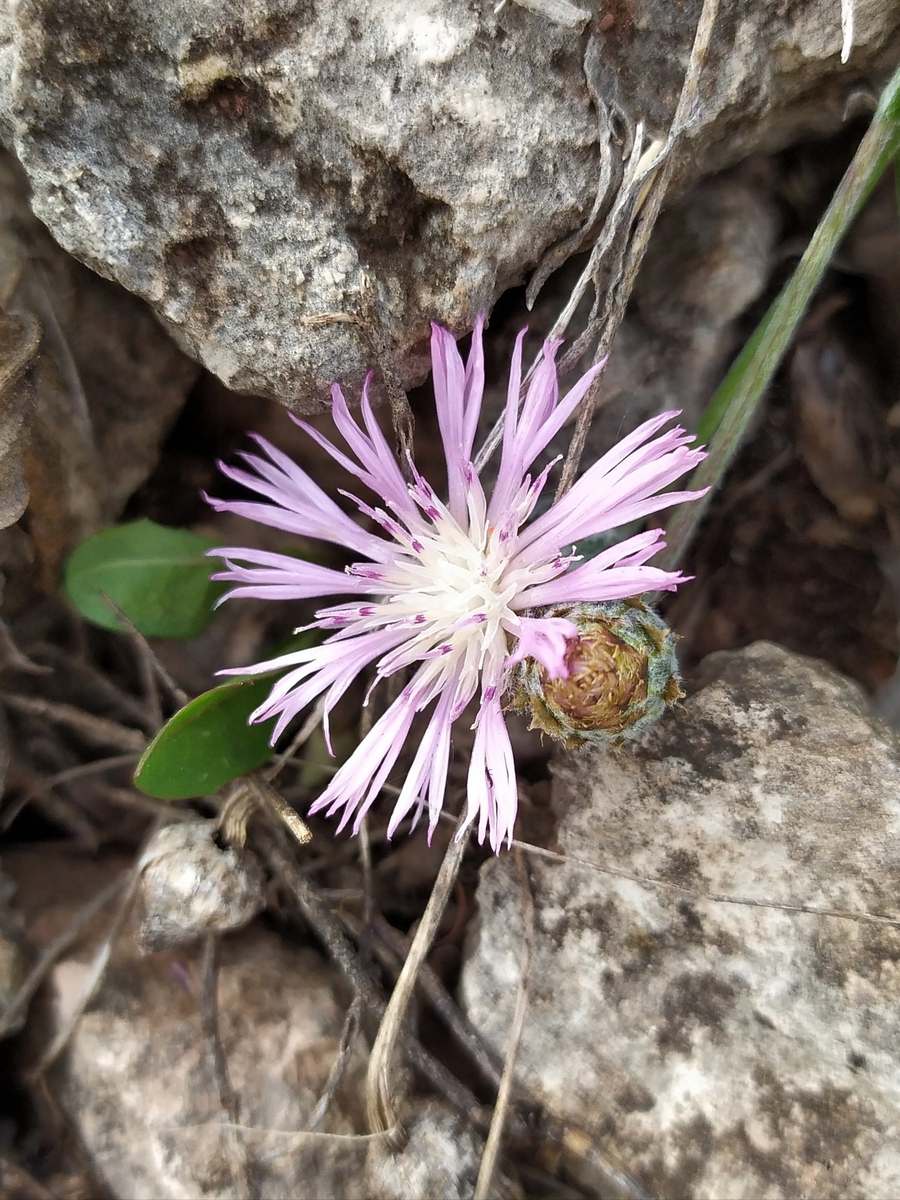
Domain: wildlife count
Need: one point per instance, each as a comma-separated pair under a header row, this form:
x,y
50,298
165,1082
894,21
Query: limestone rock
x,y
137,1084
298,189
190,886
718,1049
90,384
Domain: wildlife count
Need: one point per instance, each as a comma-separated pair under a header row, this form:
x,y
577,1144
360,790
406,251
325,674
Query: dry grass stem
x,y
79,771
336,1074
236,1152
152,670
488,1167
55,949
328,929
379,1102
271,800
392,948
98,730
655,180
98,965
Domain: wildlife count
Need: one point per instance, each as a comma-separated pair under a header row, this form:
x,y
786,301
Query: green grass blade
x,y
731,409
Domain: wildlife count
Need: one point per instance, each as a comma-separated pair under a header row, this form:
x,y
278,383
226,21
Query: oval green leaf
x,y
159,577
208,742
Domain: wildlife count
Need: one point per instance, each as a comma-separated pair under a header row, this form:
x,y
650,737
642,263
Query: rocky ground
x,y
205,216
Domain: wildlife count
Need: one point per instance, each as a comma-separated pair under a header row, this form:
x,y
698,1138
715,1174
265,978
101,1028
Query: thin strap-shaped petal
x,y
473,393
449,377
358,782
634,551
591,510
281,577
378,467
428,771
589,583
492,795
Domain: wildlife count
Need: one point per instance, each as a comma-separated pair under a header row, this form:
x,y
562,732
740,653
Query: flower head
x,y
445,591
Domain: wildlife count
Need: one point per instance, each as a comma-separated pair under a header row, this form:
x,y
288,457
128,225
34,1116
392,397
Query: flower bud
x,y
622,675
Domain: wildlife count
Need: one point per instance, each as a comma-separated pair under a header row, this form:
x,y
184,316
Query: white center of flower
x,y
454,583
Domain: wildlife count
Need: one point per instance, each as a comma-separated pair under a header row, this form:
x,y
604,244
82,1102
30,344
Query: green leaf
x,y
159,577
208,742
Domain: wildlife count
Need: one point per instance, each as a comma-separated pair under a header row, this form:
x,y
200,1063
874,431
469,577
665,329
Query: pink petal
x,y
615,583
545,639
492,793
449,378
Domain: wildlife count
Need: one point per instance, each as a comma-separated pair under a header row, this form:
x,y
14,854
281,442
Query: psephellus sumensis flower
x,y
466,595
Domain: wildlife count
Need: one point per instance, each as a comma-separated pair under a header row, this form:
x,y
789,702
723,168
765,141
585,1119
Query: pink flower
x,y
446,591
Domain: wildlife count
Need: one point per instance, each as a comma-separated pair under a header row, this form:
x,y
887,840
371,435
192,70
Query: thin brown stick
x,y
68,775
96,729
488,1168
379,1102
272,801
236,1151
54,950
148,662
326,926
97,969
392,949
12,658
100,693
339,1066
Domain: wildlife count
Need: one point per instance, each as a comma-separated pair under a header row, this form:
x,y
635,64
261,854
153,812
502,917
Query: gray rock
x,y
191,887
718,1049
137,1085
83,417
440,1158
298,190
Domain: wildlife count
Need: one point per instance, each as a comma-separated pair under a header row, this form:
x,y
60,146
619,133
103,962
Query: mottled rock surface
x,y
137,1083
98,388
296,187
718,1049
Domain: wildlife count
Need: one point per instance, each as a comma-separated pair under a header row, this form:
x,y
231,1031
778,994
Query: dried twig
x,y
620,288
271,800
12,658
149,664
328,929
336,1074
98,691
54,949
488,1166
95,729
79,771
98,966
236,1151
392,949
379,1103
